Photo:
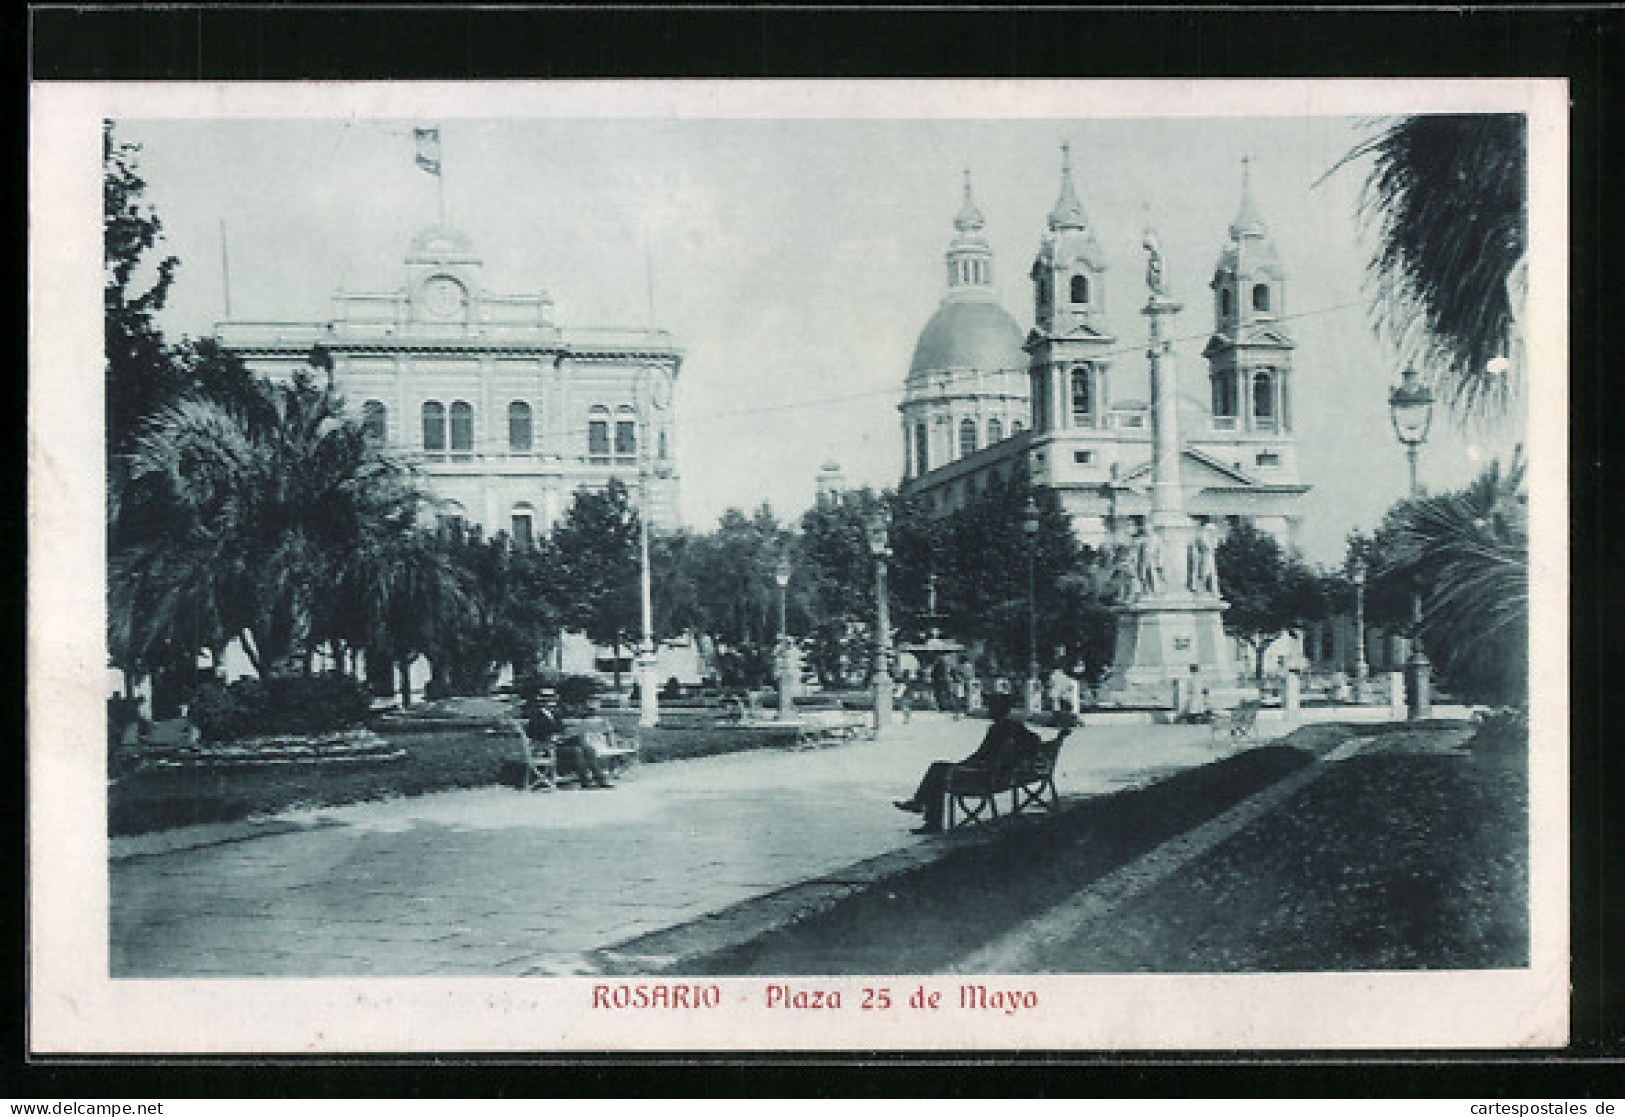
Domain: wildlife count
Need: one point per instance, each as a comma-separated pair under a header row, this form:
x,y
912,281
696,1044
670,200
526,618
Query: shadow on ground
x,y
924,919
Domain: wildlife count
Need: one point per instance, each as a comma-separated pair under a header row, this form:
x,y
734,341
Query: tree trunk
x,y
615,652
405,668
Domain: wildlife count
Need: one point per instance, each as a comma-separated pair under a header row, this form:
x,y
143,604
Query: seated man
x,y
575,753
1007,743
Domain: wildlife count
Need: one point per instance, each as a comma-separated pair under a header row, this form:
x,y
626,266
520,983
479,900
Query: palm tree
x,y
232,514
398,594
1448,196
1471,548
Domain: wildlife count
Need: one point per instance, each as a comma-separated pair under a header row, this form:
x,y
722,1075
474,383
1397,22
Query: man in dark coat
x,y
1006,744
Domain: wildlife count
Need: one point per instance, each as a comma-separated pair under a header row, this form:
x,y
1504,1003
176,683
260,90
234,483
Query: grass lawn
x,y
1400,859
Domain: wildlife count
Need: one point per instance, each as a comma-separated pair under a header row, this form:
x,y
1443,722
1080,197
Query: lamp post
x,y
1029,525
654,395
1357,575
781,575
1411,405
880,547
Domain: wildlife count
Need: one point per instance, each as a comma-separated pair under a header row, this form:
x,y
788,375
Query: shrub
x,y
304,704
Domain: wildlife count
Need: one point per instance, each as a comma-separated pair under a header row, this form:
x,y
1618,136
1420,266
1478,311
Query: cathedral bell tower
x,y
1068,342
1250,354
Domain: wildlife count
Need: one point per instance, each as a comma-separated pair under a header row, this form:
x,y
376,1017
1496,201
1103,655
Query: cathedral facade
x,y
505,413
982,400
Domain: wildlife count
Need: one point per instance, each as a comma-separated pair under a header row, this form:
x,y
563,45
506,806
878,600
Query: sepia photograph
x,y
798,566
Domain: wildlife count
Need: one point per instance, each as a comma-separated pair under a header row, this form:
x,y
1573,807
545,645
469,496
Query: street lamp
x,y
880,547
781,575
1029,525
1411,405
1357,576
654,394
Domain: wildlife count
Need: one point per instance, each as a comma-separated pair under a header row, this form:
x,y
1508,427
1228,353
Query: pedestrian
x,y
903,699
1007,743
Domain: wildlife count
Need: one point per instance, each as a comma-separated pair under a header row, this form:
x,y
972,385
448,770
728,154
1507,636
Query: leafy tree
x,y
510,612
1448,196
838,581
985,563
1269,590
140,378
597,544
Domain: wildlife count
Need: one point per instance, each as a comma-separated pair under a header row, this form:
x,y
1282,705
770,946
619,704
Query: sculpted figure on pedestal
x,y
1204,571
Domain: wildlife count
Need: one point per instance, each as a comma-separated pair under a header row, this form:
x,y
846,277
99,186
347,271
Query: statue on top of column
x,y
1154,278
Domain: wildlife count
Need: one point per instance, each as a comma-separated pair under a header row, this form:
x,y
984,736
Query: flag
x,y
428,156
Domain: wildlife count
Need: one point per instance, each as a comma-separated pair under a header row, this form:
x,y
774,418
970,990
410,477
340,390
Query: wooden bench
x,y
973,793
541,762
1237,724
616,754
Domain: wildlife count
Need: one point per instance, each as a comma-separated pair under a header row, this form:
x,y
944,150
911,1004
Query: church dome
x,y
969,334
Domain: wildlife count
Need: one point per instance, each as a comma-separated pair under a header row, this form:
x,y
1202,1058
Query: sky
x,y
796,260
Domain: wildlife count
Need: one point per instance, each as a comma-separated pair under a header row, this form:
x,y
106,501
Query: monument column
x,y
1170,631
1169,523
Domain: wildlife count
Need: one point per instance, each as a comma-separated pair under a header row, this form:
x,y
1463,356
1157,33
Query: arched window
x,y
434,427
524,525
1263,396
462,428
519,427
1043,292
995,431
452,515
626,433
1080,289
967,437
922,449
598,434
1226,303
664,446
375,420
1261,296
1083,396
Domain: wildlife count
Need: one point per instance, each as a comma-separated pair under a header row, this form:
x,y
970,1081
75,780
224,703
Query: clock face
x,y
443,296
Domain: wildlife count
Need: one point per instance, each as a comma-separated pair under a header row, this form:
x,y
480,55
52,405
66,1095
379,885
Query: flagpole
x,y
225,269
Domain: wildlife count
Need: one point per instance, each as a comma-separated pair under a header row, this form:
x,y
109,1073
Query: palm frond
x,y
1447,196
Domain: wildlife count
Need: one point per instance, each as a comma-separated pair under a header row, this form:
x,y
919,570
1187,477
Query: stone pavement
x,y
499,882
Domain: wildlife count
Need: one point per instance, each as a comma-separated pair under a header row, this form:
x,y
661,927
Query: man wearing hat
x,y
1006,743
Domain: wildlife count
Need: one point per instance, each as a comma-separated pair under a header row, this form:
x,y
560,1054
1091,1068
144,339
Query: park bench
x,y
541,762
1237,724
615,753
973,793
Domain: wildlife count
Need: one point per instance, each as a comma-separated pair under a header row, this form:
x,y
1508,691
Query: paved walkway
x,y
499,882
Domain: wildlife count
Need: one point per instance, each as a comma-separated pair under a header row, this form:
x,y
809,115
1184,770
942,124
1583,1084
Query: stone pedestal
x,y
1159,641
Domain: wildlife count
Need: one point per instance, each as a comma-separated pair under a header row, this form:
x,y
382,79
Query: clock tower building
x,y
505,412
